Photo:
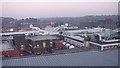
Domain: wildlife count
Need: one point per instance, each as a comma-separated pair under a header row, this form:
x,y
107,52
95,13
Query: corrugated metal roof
x,y
90,58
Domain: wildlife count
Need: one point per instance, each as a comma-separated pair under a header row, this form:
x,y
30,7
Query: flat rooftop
x,y
88,58
5,46
43,37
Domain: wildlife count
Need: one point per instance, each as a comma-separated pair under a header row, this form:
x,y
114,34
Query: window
x,y
38,45
51,42
44,44
22,47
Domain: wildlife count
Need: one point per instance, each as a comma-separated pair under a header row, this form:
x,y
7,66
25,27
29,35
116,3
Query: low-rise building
x,y
43,44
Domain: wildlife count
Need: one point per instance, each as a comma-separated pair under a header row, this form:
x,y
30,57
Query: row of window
x,y
44,45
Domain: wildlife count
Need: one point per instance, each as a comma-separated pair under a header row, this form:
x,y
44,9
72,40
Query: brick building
x,y
43,44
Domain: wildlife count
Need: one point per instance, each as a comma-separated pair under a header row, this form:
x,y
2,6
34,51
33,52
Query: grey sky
x,y
58,9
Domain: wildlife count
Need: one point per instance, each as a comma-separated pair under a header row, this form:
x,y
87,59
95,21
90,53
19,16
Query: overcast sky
x,y
58,9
